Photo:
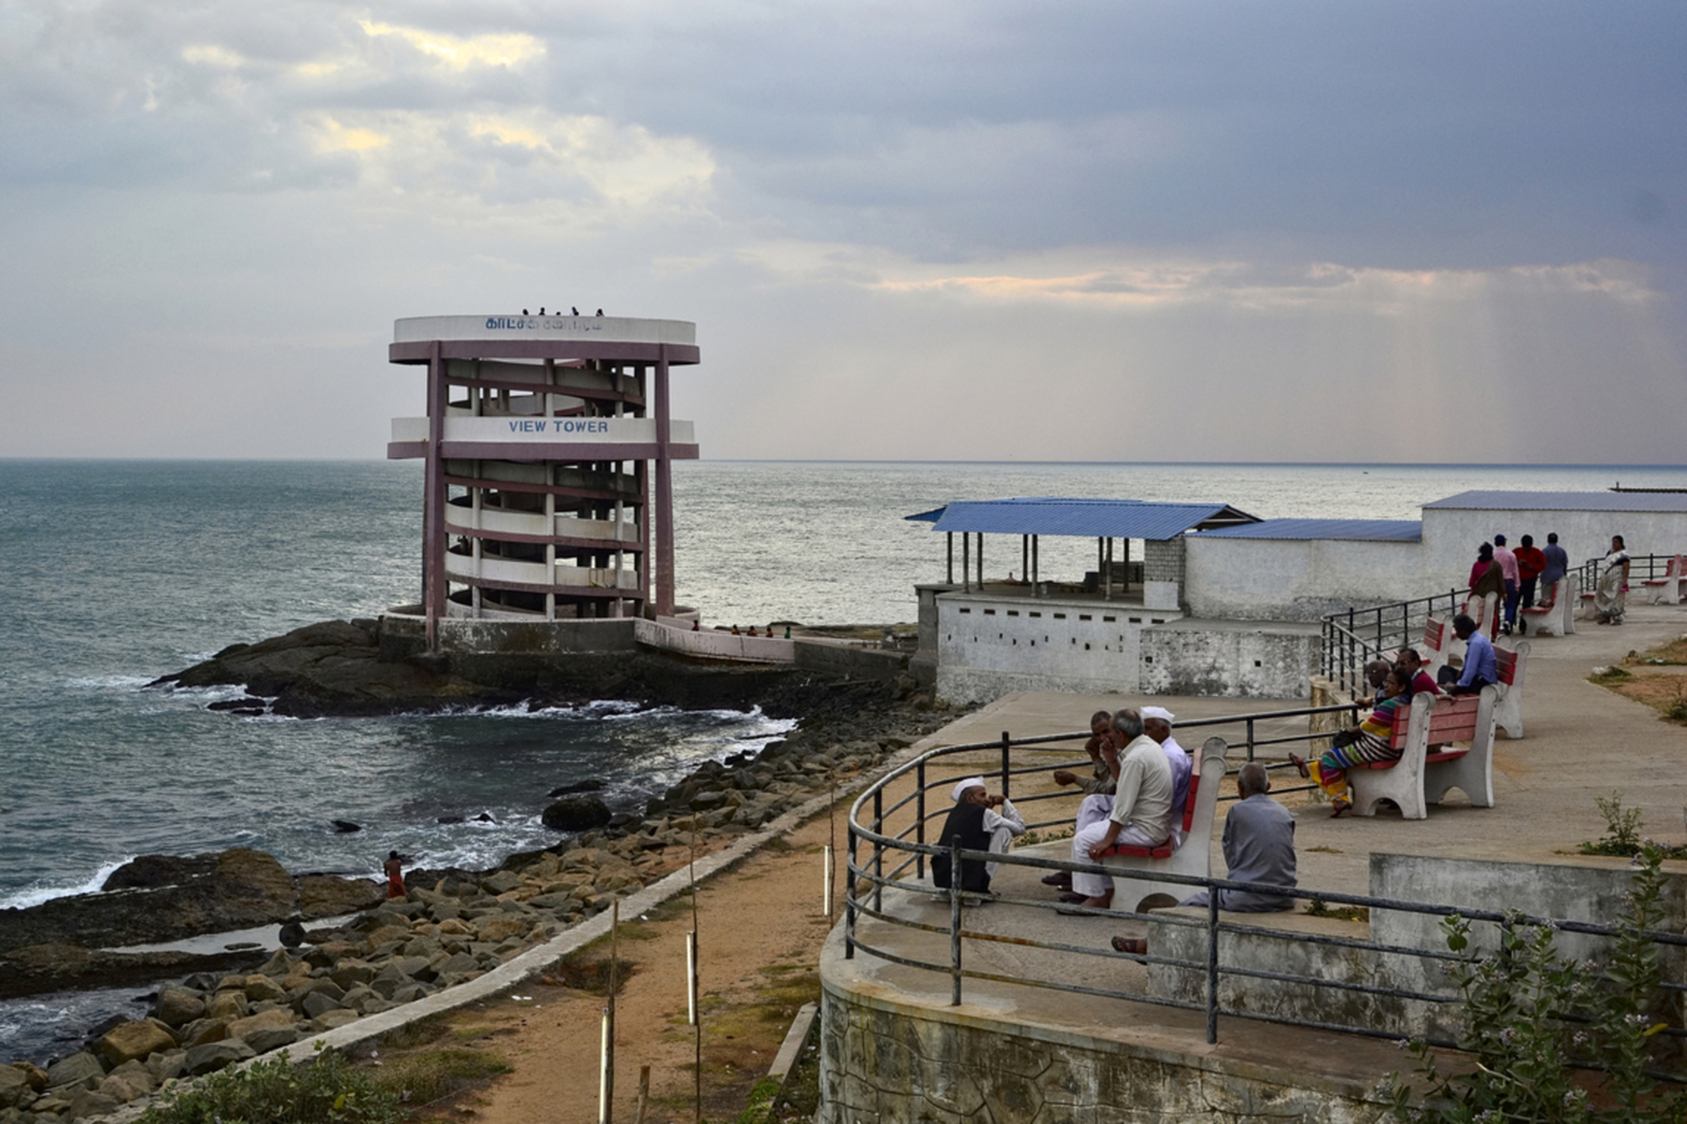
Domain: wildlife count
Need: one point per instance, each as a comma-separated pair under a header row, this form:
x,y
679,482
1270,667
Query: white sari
x,y
1609,599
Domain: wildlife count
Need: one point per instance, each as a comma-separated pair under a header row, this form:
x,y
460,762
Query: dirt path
x,y
760,928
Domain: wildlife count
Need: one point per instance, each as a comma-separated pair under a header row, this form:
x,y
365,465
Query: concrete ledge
x,y
889,1057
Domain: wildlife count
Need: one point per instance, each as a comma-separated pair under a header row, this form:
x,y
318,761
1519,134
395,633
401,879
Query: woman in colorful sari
x,y
1359,745
1610,597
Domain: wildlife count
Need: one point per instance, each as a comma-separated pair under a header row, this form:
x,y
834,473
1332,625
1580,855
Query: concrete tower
x,y
539,439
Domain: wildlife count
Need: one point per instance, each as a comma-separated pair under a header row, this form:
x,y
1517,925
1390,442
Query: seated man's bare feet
x,y
1133,945
1103,902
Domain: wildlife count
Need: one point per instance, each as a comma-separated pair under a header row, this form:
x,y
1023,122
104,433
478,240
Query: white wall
x,y
1451,536
1298,580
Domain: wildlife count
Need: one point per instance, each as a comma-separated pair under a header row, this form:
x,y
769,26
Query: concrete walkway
x,y
1582,741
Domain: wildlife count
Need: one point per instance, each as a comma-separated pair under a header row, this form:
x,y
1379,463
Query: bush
x,y
1537,1023
326,1090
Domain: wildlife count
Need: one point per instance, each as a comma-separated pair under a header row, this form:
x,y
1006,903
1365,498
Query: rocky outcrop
x,y
576,813
159,898
337,668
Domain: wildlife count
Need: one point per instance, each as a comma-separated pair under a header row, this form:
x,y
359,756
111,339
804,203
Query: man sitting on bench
x,y
1259,846
1142,809
975,822
1481,665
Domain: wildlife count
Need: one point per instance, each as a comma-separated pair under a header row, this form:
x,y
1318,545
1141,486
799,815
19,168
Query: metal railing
x,y
903,847
1355,637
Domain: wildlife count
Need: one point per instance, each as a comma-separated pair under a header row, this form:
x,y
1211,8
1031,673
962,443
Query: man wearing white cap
x,y
1157,724
979,827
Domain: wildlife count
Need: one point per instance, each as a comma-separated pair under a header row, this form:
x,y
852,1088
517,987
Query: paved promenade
x,y
1581,741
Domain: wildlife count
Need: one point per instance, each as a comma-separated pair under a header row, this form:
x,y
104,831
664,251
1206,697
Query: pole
x,y
831,851
1005,751
693,992
920,818
954,921
1212,965
608,1081
643,1094
603,1069
966,562
826,883
849,897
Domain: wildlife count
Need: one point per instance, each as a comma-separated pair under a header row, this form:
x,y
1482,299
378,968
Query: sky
x,y
1119,231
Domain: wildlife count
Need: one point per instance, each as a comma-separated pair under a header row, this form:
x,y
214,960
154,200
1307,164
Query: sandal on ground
x,y
1073,899
1134,945
1059,878
1300,765
1338,806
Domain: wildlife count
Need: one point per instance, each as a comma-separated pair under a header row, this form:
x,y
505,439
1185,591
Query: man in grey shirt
x,y
1259,846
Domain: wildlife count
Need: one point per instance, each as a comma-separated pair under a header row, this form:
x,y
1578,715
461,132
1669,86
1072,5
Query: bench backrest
x,y
1451,719
1434,633
1507,665
1189,803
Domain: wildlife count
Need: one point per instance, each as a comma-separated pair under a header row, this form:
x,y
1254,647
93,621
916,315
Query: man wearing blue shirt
x,y
1481,665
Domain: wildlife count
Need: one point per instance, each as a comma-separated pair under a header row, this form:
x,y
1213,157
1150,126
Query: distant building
x,y
544,438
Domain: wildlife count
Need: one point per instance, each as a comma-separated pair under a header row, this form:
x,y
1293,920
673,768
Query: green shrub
x,y
326,1090
1534,1022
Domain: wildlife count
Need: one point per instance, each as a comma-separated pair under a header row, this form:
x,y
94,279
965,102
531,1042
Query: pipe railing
x,y
875,833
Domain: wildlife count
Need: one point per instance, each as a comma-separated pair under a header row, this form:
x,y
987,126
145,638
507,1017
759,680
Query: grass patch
x,y
275,1091
1673,654
427,1076
419,1033
1323,850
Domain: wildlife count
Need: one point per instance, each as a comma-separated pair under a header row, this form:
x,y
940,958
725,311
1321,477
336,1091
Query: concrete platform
x,y
1093,1058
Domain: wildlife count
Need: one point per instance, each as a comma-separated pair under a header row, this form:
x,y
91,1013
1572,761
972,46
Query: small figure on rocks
x,y
394,866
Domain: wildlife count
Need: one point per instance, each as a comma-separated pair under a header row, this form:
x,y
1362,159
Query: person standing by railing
x,y
1610,599
1531,564
1557,561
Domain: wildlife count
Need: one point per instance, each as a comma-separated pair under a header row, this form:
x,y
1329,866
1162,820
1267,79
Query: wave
x,y
35,895
108,682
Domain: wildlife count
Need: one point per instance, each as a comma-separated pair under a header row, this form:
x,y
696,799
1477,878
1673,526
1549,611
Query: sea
x,y
113,573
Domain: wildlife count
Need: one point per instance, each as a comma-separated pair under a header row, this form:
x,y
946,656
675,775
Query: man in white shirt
x,y
1142,807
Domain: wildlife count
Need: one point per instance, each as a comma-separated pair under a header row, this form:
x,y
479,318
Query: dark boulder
x,y
577,813
345,827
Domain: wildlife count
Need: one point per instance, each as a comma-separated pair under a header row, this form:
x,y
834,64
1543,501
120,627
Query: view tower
x,y
540,435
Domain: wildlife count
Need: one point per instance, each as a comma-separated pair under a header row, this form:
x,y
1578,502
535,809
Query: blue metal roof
x,y
1346,530
1088,518
1563,501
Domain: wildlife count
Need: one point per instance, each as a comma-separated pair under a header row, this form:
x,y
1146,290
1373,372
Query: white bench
x,y
1193,858
1420,778
1508,707
1667,589
1554,616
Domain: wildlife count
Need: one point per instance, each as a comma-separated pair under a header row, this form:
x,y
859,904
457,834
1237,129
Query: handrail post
x,y
954,921
1212,965
1250,739
878,850
1006,743
849,894
920,821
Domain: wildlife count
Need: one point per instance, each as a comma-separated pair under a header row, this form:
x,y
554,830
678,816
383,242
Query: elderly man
x,y
1157,724
979,827
1142,808
1481,665
1410,664
1259,846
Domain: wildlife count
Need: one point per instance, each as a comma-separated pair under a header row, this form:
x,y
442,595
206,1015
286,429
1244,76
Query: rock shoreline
x,y
455,925
339,669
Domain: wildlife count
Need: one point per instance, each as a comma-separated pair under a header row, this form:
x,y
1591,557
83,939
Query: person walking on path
x,y
1510,574
1531,563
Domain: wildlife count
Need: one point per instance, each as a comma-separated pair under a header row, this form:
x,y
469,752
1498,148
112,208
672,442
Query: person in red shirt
x,y
1410,664
1531,563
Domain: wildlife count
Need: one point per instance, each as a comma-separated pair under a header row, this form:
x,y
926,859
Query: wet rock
x,y
318,1003
292,933
213,1056
203,1031
167,1066
34,1074
576,813
91,1104
137,1076
345,827
14,1087
78,1069
119,1090
333,1020
133,1040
